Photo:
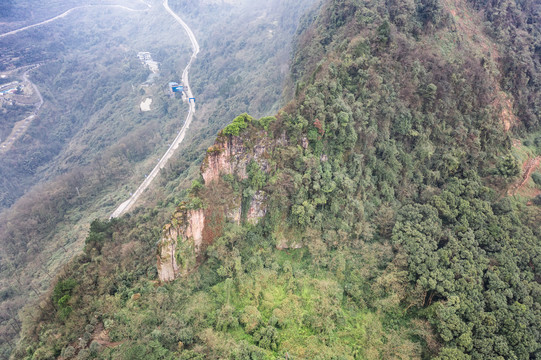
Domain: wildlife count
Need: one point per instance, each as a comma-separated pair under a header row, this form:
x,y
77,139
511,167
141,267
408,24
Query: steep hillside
x,y
91,144
369,219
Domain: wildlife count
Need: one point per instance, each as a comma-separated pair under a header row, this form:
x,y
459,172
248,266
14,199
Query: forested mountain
x,y
90,143
391,209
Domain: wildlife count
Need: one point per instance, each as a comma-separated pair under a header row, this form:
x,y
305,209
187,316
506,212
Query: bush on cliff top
x,y
239,123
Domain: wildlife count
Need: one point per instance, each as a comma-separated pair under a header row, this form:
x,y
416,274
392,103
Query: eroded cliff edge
x,y
228,192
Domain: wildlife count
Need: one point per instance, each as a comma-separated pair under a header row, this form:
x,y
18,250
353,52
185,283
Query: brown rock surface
x,y
199,227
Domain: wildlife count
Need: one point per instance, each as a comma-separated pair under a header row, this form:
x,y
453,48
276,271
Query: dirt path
x,y
470,28
528,168
128,204
101,336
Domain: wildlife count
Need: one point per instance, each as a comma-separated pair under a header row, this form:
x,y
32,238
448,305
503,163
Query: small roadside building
x,y
175,87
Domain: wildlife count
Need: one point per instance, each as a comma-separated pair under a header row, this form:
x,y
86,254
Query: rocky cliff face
x,y
231,156
191,231
174,256
167,265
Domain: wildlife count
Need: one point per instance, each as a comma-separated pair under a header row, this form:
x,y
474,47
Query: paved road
x,y
128,204
6,145
25,78
20,128
62,16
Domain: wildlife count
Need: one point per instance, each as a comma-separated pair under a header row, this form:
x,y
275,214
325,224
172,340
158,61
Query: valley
x,y
128,204
90,145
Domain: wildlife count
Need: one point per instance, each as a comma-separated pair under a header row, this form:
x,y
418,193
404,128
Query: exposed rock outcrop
x,y
230,155
191,231
220,159
258,207
186,225
194,228
167,265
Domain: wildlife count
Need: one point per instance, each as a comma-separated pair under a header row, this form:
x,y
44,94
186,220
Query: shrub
x,y
62,295
68,352
537,142
43,353
239,123
264,122
95,348
190,355
226,319
251,318
63,288
267,338
256,176
84,354
536,177
508,167
89,328
108,323
247,351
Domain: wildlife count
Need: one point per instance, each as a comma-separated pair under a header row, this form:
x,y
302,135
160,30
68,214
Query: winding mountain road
x,y
64,14
21,126
128,204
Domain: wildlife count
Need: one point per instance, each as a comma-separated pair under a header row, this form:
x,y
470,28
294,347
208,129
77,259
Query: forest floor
x,y
528,168
101,336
